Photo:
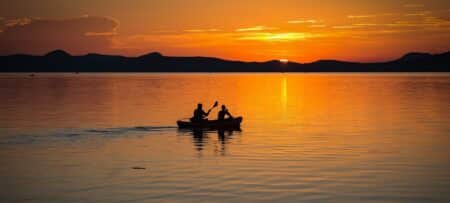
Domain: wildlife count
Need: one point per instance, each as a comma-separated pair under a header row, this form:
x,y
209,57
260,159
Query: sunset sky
x,y
251,30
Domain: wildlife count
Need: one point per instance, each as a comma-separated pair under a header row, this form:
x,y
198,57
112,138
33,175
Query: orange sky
x,y
251,30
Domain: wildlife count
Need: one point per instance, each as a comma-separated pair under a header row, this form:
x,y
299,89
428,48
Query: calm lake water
x,y
304,138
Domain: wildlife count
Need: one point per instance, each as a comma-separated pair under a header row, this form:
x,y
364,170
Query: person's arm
x,y
229,114
206,113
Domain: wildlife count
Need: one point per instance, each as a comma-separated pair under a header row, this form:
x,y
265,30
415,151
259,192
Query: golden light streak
x,y
271,37
302,21
256,28
284,96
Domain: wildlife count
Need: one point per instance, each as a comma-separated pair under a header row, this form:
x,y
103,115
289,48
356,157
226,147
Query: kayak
x,y
231,123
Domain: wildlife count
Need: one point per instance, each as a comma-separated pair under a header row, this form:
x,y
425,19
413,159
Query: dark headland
x,y
61,61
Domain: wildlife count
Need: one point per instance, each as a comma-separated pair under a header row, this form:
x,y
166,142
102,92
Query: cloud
x,y
388,14
420,13
422,22
318,26
365,24
413,5
202,30
278,37
17,21
256,28
301,21
345,26
361,16
76,35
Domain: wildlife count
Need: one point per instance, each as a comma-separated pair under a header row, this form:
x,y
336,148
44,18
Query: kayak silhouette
x,y
199,120
230,123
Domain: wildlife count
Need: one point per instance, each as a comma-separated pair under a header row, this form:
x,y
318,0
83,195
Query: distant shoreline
x,y
62,62
225,73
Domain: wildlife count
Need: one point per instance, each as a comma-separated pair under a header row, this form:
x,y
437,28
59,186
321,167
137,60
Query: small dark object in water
x,y
138,168
31,75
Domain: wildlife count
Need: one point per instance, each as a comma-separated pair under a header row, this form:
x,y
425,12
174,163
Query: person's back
x,y
199,114
224,112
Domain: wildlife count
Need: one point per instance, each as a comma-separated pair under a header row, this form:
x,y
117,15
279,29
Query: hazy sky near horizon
x,y
253,30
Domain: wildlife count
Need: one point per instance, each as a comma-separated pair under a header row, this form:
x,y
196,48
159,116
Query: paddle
x,y
214,106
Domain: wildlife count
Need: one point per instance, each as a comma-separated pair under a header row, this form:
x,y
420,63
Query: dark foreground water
x,y
305,138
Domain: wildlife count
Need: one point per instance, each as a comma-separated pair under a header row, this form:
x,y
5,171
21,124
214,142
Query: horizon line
x,y
224,59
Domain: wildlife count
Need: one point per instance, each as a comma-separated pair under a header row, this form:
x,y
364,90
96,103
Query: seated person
x,y
199,114
223,113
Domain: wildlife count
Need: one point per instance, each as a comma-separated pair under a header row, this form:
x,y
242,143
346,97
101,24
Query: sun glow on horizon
x,y
283,60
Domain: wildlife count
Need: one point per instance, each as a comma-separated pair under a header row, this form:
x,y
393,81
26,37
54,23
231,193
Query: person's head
x,y
224,107
199,106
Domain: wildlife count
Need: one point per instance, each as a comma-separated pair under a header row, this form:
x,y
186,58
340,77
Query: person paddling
x,y
199,114
224,112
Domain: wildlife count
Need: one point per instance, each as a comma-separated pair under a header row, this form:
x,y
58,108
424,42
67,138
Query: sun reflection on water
x,y
284,97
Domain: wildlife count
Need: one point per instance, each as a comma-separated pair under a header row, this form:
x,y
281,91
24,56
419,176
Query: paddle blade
x,y
215,104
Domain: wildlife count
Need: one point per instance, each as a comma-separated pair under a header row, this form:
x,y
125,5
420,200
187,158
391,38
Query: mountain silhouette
x,y
58,54
61,61
414,56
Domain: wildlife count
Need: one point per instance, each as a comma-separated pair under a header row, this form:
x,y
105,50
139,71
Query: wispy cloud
x,y
404,24
100,33
77,35
413,5
202,30
420,13
301,21
427,23
318,26
388,14
344,27
278,37
364,24
18,21
256,28
361,16
436,21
